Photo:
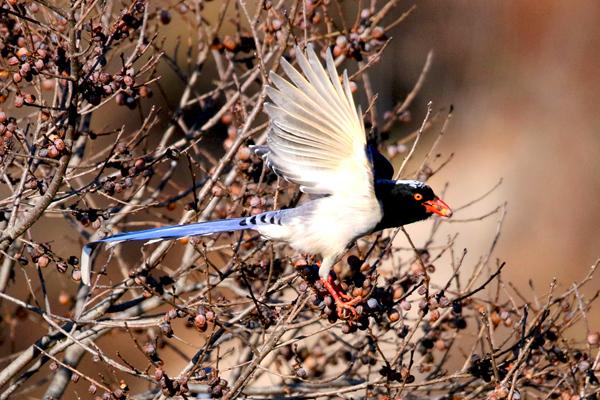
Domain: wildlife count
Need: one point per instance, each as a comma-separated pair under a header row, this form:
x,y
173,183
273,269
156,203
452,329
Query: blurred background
x,y
524,78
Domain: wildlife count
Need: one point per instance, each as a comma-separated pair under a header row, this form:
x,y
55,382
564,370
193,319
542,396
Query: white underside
x,y
329,229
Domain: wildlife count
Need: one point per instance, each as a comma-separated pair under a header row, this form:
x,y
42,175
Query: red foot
x,y
338,295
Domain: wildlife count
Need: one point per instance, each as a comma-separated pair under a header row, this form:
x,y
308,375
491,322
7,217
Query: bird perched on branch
x,y
317,140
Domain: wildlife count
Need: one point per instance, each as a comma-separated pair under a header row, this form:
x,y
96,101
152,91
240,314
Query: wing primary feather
x,y
301,99
335,80
299,127
318,79
326,83
316,135
347,86
295,111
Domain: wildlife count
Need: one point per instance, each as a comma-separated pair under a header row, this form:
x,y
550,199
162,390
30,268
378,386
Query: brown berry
x,y
200,321
64,298
229,43
22,52
59,144
76,275
128,80
394,316
53,152
145,91
378,32
440,345
495,318
593,338
210,316
61,267
19,101
416,268
398,293
227,143
227,118
43,261
244,153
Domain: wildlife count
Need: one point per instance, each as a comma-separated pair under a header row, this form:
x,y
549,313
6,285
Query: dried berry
x,y
165,16
593,338
61,267
43,261
301,373
22,53
76,275
53,152
200,322
230,43
19,101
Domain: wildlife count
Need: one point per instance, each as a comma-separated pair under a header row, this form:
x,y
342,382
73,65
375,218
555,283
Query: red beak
x,y
437,206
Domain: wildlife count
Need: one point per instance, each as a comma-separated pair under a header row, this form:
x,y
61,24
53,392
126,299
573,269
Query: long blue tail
x,y
166,233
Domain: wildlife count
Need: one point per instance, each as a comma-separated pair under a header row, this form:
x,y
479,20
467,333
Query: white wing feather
x,y
317,137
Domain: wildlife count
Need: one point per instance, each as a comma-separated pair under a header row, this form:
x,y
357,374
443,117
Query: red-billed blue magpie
x,y
317,139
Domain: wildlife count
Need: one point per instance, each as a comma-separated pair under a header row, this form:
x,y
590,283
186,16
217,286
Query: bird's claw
x,y
347,297
343,301
343,306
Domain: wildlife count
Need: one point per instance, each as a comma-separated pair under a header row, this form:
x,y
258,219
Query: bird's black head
x,y
407,201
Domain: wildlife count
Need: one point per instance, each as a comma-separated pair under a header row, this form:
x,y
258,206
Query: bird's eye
x,y
418,196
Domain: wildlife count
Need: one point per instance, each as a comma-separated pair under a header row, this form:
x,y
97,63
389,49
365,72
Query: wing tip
x,y
273,75
300,54
329,58
310,51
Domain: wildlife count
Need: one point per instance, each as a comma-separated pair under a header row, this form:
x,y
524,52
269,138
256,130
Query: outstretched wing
x,y
317,137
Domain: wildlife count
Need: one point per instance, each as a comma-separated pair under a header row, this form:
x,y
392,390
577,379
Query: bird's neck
x,y
396,210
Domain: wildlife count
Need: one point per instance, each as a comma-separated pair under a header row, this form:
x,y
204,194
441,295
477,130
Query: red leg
x,y
337,295
337,289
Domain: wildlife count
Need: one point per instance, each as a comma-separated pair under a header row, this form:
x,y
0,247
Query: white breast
x,y
329,227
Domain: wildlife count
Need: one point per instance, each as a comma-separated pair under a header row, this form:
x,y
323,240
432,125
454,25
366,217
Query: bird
x,y
316,139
